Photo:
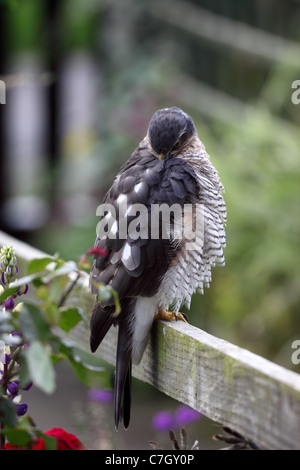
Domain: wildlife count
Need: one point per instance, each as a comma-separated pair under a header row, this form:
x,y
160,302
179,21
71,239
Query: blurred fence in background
x,y
82,79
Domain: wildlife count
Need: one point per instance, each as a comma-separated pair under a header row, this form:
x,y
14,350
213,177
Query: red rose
x,y
65,441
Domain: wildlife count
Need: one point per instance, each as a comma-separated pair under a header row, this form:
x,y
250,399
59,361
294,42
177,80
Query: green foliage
x,y
70,317
39,366
7,412
34,335
23,434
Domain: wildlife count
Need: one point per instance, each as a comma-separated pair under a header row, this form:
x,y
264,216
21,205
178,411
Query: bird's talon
x,y
185,317
169,316
182,316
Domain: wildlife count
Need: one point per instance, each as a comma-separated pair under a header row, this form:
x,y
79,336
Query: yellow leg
x,y
169,316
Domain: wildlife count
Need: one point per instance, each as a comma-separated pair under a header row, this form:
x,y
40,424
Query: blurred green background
x,y
83,78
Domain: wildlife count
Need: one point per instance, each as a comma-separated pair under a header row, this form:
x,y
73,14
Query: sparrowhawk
x,y
156,270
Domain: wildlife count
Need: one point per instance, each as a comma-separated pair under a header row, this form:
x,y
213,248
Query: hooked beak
x,y
161,156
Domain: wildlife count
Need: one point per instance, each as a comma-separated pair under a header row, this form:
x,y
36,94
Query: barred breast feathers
x,y
191,271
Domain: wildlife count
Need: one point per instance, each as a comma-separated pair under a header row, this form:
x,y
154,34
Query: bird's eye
x,y
177,145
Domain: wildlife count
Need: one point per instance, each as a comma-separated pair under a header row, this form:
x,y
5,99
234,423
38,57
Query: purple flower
x,y
3,278
165,420
100,395
17,333
23,289
8,270
5,358
22,409
185,415
27,387
14,270
9,304
13,388
162,421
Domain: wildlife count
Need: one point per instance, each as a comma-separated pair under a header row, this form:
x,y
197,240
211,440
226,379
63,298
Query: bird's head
x,y
169,130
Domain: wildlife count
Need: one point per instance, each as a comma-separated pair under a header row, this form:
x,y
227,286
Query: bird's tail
x,y
101,321
123,366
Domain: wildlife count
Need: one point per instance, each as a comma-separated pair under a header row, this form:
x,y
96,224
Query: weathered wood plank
x,y
226,383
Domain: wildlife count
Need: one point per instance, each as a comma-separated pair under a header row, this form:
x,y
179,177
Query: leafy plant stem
x,y
68,291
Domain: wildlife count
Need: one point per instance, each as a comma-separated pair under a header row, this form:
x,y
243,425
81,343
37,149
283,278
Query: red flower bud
x,y
97,251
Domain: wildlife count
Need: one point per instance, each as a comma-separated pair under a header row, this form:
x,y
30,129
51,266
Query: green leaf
x,y
18,436
38,282
42,292
70,317
87,367
33,324
40,366
38,265
8,412
50,442
57,357
52,313
57,286
24,374
25,433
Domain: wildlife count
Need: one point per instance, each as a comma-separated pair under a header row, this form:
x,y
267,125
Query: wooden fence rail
x,y
228,384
